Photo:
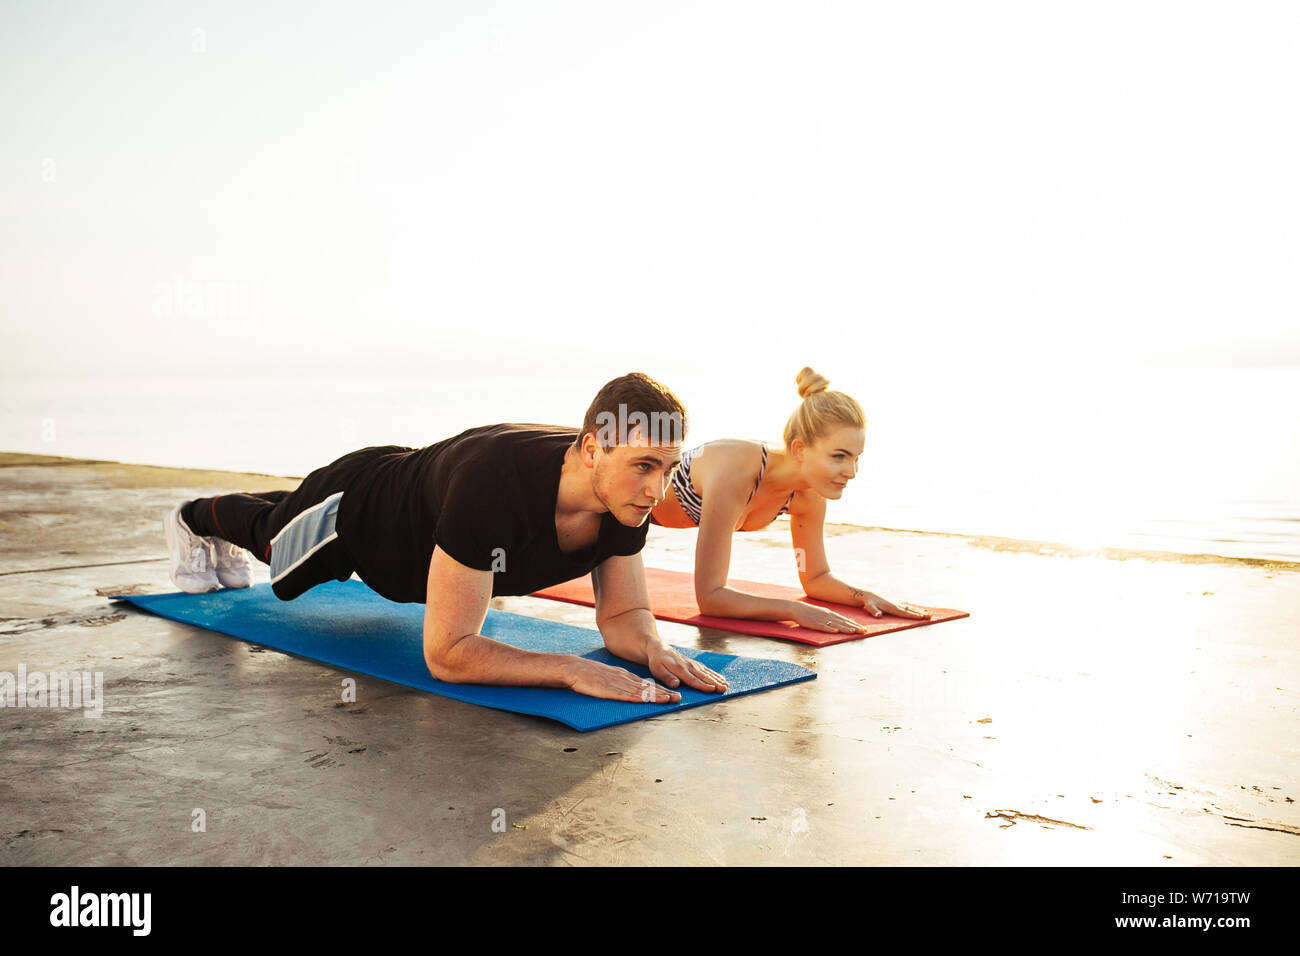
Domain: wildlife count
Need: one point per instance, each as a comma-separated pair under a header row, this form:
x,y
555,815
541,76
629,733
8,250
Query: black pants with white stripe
x,y
293,531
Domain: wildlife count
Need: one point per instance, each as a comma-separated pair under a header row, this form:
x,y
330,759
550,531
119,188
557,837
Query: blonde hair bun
x,y
810,383
820,410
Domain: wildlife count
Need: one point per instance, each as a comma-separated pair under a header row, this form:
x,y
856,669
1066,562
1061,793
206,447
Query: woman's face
x,y
831,462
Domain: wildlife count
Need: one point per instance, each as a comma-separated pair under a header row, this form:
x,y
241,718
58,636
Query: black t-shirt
x,y
486,497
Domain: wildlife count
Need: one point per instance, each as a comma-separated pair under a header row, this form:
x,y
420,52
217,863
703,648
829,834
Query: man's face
x,y
631,479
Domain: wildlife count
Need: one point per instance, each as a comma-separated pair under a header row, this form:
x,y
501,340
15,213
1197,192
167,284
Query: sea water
x,y
1187,460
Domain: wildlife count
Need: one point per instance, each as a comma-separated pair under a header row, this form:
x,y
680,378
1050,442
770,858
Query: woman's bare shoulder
x,y
726,461
729,450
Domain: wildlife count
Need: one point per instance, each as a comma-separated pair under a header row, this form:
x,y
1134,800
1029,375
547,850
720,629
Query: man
x,y
503,509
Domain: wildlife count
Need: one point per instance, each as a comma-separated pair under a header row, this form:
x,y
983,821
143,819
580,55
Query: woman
x,y
730,485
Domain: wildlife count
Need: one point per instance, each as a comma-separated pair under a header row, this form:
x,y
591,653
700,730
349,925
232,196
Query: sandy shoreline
x,y
1096,708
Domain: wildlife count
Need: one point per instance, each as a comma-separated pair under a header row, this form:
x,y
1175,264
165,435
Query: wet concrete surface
x,y
1121,710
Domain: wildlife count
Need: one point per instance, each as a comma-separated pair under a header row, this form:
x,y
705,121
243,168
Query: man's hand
x,y
673,668
628,627
876,605
614,683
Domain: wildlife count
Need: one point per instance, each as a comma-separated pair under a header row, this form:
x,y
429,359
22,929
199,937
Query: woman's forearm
x,y
728,602
827,587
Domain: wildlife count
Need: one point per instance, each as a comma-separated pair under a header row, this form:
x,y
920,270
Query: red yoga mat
x,y
672,598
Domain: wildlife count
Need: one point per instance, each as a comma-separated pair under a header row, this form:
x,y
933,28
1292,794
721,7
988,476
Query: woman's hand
x,y
614,683
876,605
823,619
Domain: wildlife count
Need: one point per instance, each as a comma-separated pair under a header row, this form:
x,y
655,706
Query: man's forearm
x,y
475,659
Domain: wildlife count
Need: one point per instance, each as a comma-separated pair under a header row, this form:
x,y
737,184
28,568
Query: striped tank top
x,y
691,502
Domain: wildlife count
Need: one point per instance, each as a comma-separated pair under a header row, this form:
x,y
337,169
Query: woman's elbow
x,y
810,582
711,603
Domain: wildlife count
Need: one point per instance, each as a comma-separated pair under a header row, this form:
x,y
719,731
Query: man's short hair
x,y
630,403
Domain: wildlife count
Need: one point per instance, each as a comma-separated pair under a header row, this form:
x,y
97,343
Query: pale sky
x,y
250,186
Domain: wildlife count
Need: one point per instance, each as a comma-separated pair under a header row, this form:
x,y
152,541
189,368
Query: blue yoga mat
x,y
347,625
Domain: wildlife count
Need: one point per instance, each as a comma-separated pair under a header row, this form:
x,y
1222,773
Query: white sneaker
x,y
194,558
234,564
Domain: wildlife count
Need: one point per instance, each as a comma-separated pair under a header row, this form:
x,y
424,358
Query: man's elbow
x,y
441,663
438,669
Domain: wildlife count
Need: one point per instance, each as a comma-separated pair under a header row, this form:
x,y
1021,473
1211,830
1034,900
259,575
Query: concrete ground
x,y
1110,708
